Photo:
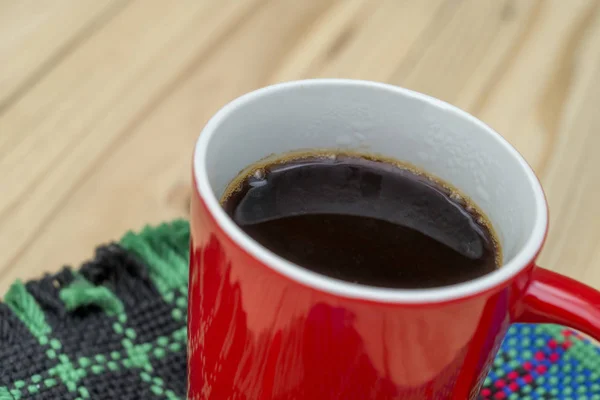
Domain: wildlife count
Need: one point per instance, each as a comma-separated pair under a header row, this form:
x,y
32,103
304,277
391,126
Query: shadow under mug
x,y
262,328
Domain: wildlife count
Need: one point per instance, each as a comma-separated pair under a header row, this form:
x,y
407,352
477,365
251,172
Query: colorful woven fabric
x,y
116,329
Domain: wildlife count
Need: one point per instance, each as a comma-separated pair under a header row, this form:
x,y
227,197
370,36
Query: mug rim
x,y
524,257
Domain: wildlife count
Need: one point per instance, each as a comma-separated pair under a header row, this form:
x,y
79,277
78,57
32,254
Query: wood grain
x,y
36,35
98,124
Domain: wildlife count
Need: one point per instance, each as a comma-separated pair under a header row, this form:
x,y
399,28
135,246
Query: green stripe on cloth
x,y
82,293
164,249
27,310
5,394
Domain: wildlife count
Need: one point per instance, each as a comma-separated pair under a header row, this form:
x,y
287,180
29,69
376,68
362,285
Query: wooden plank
x,y
35,35
160,182
512,106
567,110
109,111
70,120
364,41
461,56
572,180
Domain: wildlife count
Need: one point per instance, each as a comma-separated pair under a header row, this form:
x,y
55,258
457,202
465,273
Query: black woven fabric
x,y
116,329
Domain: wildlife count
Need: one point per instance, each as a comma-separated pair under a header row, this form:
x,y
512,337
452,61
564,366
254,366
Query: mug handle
x,y
557,299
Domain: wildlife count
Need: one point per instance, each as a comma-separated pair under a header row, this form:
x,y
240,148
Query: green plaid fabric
x,y
116,329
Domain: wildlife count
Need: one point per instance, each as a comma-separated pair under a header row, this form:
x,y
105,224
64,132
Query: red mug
x,y
262,328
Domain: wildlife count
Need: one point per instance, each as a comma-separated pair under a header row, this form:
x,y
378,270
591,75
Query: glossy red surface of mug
x,y
260,328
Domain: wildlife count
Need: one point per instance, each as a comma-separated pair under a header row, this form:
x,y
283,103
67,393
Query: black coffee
x,y
363,220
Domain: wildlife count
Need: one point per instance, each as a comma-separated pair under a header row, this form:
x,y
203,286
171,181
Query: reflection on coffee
x,y
364,220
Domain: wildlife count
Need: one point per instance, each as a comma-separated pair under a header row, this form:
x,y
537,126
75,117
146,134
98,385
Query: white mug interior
x,y
386,120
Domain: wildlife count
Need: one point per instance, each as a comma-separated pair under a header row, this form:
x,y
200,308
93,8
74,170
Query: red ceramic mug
x,y
262,328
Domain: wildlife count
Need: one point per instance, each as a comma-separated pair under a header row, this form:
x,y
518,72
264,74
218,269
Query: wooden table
x,y
101,101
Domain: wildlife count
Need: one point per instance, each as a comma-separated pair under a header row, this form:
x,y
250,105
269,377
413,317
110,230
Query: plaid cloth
x,y
116,329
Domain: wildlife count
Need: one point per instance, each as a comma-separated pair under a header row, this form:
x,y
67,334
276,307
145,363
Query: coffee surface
x,y
365,221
